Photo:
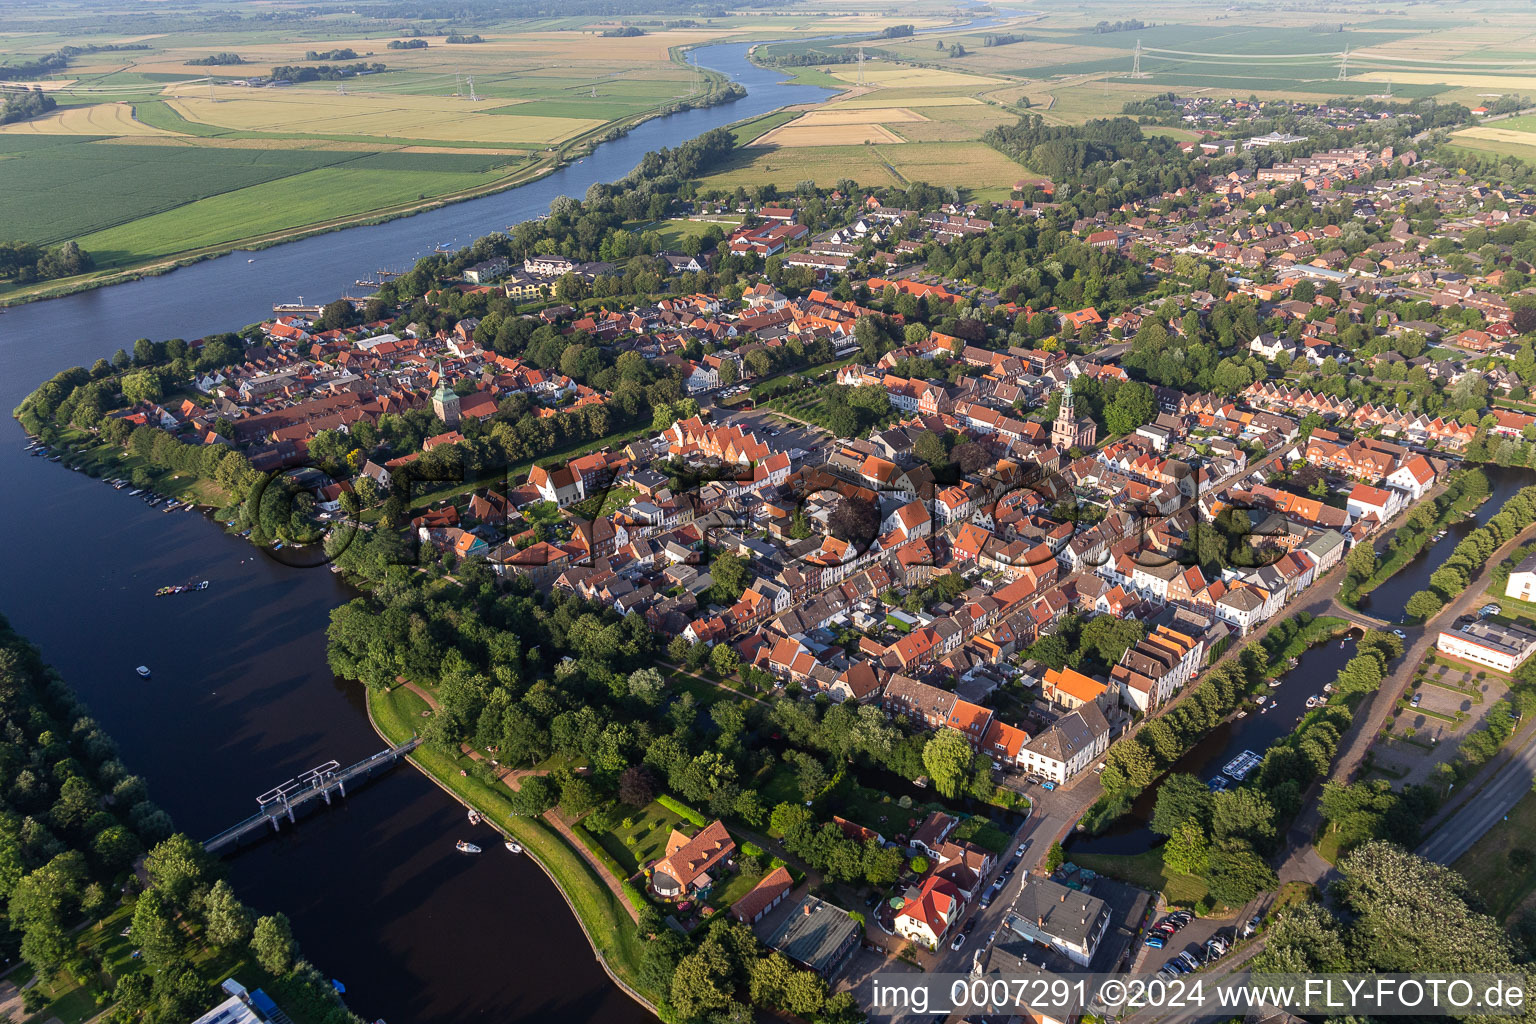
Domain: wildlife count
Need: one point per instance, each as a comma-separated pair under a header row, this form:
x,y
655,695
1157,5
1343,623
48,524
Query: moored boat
x,y
513,847
143,670
474,816
464,847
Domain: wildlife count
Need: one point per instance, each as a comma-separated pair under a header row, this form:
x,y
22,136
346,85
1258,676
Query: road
x,y
1494,801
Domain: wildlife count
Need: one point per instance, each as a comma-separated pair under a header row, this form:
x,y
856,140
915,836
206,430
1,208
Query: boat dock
x,y
304,794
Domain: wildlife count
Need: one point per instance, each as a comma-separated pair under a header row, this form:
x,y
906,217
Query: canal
x,y
241,699
1390,600
1256,731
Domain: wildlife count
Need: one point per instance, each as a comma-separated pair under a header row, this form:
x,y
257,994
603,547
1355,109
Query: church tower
x,y
1064,430
445,403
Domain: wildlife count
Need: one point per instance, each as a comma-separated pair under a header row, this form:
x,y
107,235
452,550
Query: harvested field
x,y
863,115
109,119
311,112
795,135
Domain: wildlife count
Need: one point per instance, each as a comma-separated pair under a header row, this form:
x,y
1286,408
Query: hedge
x,y
682,810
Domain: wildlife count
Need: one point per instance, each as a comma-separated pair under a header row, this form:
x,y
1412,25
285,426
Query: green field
x,y
60,187
307,198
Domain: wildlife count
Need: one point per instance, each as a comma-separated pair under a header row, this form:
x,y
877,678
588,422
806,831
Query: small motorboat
x,y
1313,701
1274,683
513,847
474,816
143,671
464,847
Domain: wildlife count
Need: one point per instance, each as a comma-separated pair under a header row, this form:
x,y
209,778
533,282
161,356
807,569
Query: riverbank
x,y
393,715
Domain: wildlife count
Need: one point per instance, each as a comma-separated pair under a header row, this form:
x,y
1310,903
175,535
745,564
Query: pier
x,y
303,794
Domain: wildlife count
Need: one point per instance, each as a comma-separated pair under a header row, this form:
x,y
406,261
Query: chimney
x,y
1063,896
806,907
1040,921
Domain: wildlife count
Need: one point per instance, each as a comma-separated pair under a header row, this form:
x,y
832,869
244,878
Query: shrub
x,y
682,810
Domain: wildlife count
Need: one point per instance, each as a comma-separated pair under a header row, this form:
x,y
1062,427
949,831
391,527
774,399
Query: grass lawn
x,y
1146,870
602,915
706,694
600,505
649,829
1487,868
733,888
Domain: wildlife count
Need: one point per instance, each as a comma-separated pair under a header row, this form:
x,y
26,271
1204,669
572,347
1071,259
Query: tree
x,y
272,943
855,520
724,659
931,449
729,373
178,867
1186,850
154,929
1055,857
535,795
142,386
730,575
1361,561
1423,604
228,920
1181,798
947,757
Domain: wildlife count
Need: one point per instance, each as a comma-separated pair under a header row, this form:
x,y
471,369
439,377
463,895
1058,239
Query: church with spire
x,y
445,403
1070,430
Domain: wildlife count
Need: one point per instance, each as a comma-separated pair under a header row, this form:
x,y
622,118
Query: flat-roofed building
x,y
1504,648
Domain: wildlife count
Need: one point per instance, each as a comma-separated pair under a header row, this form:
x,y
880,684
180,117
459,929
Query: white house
x,y
1522,582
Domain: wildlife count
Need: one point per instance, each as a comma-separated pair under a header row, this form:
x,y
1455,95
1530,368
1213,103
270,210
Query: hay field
x,y
111,119
837,114
900,76
796,135
907,97
312,112
1458,77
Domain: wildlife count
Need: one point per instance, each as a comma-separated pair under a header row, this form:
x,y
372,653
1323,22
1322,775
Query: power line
x,y
861,65
1344,64
1136,61
470,79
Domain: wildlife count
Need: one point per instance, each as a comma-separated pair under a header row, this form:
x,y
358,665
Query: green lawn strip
x,y
108,462
747,131
605,920
1487,865
1145,869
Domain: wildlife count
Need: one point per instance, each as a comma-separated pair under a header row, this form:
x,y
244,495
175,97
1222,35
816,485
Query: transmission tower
x,y
341,88
1344,64
1136,61
470,81
458,84
861,65
212,98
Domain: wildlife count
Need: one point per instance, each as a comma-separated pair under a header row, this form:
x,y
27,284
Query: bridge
x,y
304,793
1358,618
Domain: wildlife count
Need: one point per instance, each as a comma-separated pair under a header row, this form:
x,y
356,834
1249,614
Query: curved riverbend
x,y
241,699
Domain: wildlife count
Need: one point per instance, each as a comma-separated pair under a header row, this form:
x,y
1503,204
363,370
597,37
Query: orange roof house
x,y
688,861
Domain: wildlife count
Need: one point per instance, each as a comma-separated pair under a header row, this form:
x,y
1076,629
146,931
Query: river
x,y
241,699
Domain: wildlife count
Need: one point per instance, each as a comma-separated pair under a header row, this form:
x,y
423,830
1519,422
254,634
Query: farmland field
x,y
797,134
310,197
101,119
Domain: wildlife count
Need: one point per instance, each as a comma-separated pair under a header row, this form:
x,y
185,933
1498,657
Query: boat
x,y
1239,767
135,492
250,261
1274,683
1314,700
1241,714
201,586
143,670
1264,709
474,816
513,847
464,847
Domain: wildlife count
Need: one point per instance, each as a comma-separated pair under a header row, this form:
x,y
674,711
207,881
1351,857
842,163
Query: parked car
x,y
1167,972
1188,960
1180,918
1155,941
1175,966
1022,848
959,941
1416,698
991,894
1047,785
970,926
1399,634
1252,925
